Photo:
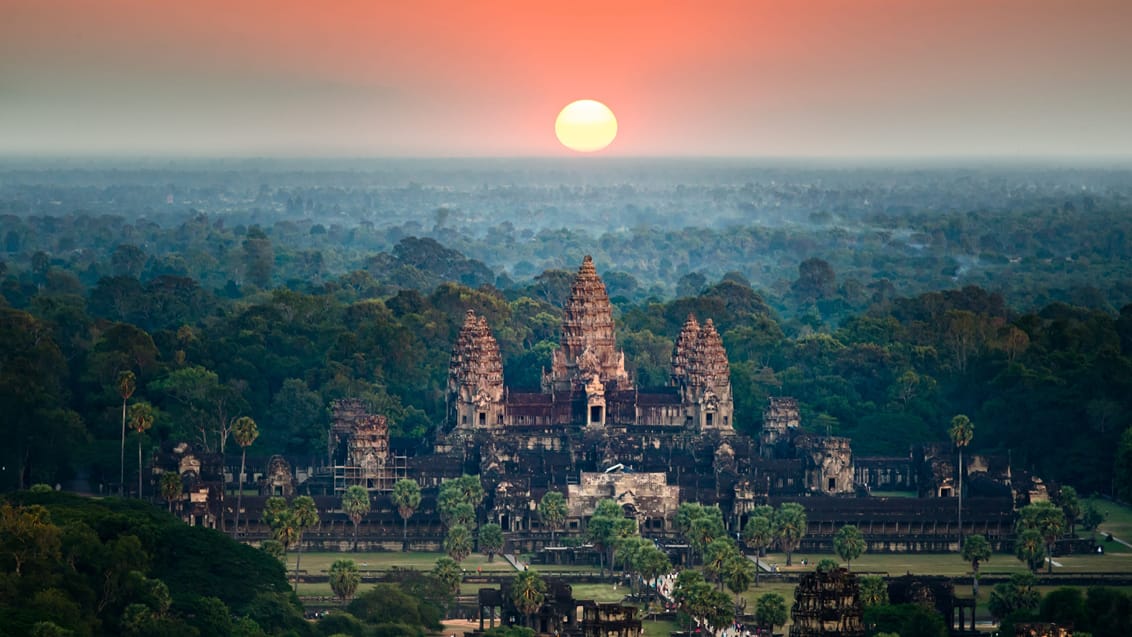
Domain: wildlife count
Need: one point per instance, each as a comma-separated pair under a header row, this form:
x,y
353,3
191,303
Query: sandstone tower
x,y
701,372
588,349
475,376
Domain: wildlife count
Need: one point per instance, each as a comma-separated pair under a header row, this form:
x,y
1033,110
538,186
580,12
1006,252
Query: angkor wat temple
x,y
591,432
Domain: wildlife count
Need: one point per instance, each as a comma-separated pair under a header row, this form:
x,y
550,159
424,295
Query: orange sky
x,y
457,78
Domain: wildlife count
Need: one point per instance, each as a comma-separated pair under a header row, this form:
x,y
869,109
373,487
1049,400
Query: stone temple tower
x,y
587,347
475,376
701,372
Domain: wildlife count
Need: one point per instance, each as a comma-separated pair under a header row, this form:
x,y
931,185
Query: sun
x,y
586,126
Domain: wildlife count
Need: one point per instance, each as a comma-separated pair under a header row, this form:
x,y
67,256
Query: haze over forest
x,y
886,298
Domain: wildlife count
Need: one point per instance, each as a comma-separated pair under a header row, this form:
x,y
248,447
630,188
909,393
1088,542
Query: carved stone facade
x,y
587,384
278,481
646,497
359,447
827,604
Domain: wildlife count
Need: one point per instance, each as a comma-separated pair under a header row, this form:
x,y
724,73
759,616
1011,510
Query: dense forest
x,y
885,301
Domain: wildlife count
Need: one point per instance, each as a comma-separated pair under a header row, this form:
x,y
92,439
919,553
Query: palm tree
x,y
716,556
344,579
874,590
491,540
170,487
1028,547
552,511
141,419
245,431
976,550
406,497
458,544
789,527
738,573
770,610
355,502
758,535
305,515
849,544
961,432
528,592
651,563
127,383
1071,507
448,571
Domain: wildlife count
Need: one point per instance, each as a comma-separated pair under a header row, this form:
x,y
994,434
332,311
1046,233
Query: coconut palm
x,y
305,515
552,511
406,497
170,486
245,431
528,592
127,384
355,503
344,579
849,544
141,419
976,549
961,432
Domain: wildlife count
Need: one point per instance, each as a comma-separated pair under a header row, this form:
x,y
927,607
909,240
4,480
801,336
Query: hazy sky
x,y
487,78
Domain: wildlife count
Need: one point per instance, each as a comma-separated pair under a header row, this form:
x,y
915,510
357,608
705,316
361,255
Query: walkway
x,y
515,562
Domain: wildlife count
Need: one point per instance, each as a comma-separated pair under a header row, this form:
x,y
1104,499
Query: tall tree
x,y
1071,506
141,419
355,504
758,535
448,570
259,257
305,515
770,610
1029,549
849,544
789,527
528,592
127,384
961,432
245,431
171,487
458,543
1049,522
552,511
717,555
406,497
344,579
738,573
976,550
490,540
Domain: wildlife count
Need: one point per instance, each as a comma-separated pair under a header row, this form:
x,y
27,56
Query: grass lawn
x,y
1117,520
320,562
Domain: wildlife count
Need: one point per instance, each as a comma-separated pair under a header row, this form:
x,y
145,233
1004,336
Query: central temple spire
x,y
588,347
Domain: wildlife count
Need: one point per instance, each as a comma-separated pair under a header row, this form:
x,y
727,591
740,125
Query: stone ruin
x,y
827,604
359,447
278,480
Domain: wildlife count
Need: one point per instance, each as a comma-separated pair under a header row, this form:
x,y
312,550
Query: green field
x,y
1116,559
319,563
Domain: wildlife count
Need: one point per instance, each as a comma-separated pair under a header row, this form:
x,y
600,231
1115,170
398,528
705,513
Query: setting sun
x,y
586,126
